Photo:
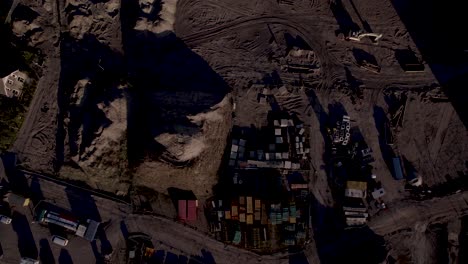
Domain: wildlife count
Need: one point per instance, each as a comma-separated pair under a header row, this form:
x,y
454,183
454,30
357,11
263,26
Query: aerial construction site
x,y
300,131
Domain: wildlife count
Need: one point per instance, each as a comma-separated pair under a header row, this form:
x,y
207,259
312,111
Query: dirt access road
x,y
119,220
407,214
186,241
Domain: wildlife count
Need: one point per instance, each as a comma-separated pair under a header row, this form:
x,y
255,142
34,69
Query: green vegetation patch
x,y
12,112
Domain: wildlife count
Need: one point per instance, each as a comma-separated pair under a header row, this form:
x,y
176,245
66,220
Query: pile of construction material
x,y
341,132
354,208
287,147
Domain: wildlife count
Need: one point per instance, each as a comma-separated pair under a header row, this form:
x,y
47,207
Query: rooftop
x,y
13,83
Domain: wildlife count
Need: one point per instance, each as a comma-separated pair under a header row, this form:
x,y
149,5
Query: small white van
x,y
5,219
59,241
28,261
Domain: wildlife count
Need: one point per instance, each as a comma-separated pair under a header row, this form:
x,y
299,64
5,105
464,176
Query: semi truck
x,y
86,229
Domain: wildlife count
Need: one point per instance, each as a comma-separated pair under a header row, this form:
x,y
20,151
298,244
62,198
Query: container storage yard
x,y
264,205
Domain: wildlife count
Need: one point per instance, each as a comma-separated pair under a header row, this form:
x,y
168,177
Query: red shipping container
x,y
182,210
191,210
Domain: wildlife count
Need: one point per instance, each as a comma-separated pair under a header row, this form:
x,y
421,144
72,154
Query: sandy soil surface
x,y
165,79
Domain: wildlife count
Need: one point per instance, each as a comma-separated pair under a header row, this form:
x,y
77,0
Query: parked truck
x,y
86,230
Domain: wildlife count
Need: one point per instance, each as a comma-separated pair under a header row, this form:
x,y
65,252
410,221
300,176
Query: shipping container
x,y
255,237
397,170
191,210
279,218
273,218
234,212
242,200
249,219
258,204
182,208
242,217
285,215
257,216
249,205
242,209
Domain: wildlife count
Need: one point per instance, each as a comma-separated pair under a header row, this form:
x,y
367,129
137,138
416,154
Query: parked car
x,y
25,260
59,241
5,220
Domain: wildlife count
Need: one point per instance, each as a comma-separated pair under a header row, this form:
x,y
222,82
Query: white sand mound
x,y
166,17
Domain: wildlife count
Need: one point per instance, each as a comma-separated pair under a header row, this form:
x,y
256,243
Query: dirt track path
x,y
407,215
34,136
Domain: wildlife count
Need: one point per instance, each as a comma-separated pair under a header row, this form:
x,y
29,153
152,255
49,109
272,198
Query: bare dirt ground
x,y
178,69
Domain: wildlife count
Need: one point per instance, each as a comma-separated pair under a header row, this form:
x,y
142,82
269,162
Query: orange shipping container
x,y
249,205
257,204
249,219
242,218
242,200
234,211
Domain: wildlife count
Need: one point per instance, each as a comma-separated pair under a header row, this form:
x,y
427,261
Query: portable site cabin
x,y
356,189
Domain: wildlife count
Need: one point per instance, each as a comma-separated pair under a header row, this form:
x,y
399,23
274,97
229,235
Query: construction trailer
x,y
356,189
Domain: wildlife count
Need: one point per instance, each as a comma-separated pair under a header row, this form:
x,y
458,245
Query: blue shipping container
x,y
397,172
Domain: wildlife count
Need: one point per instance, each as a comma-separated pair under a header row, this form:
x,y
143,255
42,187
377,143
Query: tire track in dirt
x,y
37,123
328,62
408,214
444,122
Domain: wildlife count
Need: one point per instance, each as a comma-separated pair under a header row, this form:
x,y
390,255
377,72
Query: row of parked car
x,y
5,219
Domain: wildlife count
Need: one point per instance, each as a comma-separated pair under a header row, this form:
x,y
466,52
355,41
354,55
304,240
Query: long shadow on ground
x,y
335,244
84,207
435,28
338,245
80,118
45,253
169,82
26,244
64,257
